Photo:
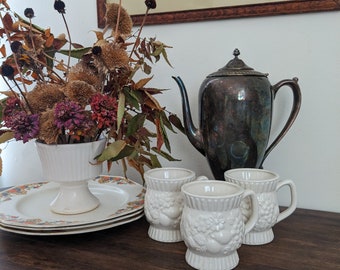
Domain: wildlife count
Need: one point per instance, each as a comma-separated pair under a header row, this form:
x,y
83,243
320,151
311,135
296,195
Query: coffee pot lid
x,y
236,67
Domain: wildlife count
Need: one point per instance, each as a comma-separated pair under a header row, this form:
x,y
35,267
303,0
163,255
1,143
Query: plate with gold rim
x,y
27,205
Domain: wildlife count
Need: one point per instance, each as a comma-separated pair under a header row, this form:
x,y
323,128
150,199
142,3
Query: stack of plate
x,y
25,209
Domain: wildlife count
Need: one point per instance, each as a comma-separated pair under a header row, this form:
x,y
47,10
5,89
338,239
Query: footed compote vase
x,y
71,166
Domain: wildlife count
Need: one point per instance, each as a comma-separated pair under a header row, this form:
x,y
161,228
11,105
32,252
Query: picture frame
x,y
256,9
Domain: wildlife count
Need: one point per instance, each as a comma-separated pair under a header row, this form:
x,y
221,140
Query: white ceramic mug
x,y
163,202
212,225
266,185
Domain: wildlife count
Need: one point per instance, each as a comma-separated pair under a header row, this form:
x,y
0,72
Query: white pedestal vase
x,y
72,166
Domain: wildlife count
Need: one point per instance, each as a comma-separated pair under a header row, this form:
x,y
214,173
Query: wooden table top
x,y
305,240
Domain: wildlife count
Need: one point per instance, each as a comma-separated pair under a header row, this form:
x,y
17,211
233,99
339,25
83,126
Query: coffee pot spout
x,y
194,134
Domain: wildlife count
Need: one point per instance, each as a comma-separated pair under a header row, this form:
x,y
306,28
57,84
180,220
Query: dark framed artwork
x,y
251,9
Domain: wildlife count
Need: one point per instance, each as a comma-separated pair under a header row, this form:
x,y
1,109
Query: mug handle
x,y
293,199
255,210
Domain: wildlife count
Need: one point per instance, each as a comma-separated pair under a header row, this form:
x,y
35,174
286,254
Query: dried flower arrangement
x,y
96,96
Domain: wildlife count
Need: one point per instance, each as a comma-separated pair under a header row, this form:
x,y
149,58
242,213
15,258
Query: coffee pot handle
x,y
293,84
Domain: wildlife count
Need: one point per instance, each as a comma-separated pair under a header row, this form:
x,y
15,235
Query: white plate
x,y
74,231
76,227
27,206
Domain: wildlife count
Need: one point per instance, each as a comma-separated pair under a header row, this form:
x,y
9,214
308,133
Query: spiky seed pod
x,y
150,4
44,96
125,22
96,50
16,46
81,72
79,91
29,13
7,71
59,6
111,57
48,130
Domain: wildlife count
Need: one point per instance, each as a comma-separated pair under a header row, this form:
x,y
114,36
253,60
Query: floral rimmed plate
x,y
72,231
27,206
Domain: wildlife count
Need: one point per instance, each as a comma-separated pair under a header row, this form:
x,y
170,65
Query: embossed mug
x,y
266,185
163,202
212,225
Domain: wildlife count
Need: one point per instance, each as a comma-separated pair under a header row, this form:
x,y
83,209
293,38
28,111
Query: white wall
x,y
304,46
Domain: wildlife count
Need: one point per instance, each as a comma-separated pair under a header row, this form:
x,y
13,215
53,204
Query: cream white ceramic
x,y
212,225
72,166
26,208
266,185
164,202
85,229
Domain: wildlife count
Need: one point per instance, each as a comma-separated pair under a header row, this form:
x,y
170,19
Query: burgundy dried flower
x,y
29,13
25,126
59,6
13,105
71,116
104,110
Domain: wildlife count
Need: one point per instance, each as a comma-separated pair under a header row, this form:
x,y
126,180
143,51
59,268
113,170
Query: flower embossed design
x,y
164,208
215,232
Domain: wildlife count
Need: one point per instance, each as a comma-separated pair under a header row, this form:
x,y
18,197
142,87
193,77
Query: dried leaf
x,y
6,136
127,151
138,167
173,118
8,22
158,50
155,162
141,83
121,109
76,53
26,24
61,66
144,161
99,35
160,140
59,42
166,121
77,46
112,150
165,56
147,68
48,32
135,123
3,51
7,93
152,102
164,154
137,42
49,41
4,2
132,97
23,80
165,136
